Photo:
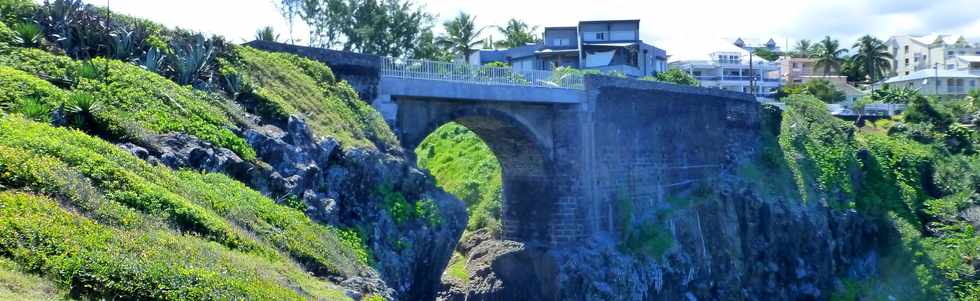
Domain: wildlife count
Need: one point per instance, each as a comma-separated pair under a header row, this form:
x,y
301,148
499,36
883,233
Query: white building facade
x,y
936,51
729,68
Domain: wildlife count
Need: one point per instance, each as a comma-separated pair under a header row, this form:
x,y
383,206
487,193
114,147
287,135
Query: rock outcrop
x,y
339,187
736,247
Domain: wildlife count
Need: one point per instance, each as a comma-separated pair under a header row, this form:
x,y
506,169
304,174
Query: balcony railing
x,y
735,78
483,75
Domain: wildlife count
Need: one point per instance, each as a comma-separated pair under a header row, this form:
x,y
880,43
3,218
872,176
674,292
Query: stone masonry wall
x,y
653,140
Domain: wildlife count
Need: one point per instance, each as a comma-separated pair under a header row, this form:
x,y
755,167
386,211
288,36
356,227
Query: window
x,y
560,42
601,36
973,83
796,65
950,66
906,48
906,61
906,73
950,53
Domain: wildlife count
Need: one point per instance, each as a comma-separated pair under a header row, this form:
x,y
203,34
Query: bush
x,y
286,85
18,86
16,11
95,261
674,76
819,149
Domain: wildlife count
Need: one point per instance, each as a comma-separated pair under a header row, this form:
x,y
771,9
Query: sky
x,y
685,28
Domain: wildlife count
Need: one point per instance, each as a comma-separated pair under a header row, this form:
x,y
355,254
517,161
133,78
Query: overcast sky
x,y
684,28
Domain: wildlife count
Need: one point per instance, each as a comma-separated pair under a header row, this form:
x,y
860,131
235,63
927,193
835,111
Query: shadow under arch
x,y
527,171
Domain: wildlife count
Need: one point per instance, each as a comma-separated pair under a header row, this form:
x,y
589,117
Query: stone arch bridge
x,y
573,151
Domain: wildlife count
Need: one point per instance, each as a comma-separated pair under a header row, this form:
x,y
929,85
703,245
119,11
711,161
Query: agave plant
x,y
34,109
87,70
123,44
191,58
81,108
153,60
27,34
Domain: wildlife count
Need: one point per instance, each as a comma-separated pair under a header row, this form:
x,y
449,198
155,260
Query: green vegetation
x,y
821,89
915,175
286,84
17,285
457,268
136,102
674,76
465,166
77,168
99,261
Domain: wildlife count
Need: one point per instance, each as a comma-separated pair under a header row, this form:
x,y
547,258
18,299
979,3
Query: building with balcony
x,y
913,53
794,70
607,46
728,67
938,82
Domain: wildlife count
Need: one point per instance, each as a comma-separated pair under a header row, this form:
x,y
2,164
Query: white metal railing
x,y
485,75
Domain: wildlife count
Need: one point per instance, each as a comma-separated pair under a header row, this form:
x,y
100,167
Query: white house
x,y
914,52
727,67
953,83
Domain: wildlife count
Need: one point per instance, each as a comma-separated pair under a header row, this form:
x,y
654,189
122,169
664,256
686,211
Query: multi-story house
x,y
795,69
912,53
939,82
728,68
608,46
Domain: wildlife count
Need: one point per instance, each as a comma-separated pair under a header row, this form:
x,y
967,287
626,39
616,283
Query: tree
x,y
829,55
675,76
516,33
873,57
266,34
428,49
381,27
821,89
803,48
289,9
462,35
852,70
766,54
888,94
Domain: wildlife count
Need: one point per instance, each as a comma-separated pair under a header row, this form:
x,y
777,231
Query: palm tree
x,y
462,36
803,48
516,33
829,55
266,34
873,57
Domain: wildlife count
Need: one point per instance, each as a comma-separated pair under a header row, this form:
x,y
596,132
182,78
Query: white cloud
x,y
684,28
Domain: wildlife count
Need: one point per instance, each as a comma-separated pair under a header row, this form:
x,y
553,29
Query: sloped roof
x,y
932,38
970,58
931,73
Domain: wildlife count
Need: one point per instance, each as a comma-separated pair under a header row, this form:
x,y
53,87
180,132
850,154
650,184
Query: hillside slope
x,y
180,165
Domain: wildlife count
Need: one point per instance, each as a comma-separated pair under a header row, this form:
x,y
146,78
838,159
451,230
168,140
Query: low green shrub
x,y
286,84
81,169
95,261
17,86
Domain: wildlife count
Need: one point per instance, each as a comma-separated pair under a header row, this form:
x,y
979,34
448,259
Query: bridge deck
x,y
425,88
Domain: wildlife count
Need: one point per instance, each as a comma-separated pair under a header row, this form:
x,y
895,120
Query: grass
x,y
286,84
115,190
17,285
464,166
96,261
457,268
136,102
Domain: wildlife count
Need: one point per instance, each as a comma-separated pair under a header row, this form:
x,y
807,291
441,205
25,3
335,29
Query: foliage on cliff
x,y
284,84
465,166
120,219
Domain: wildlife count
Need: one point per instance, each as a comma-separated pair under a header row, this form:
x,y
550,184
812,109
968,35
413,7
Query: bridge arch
x,y
527,169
